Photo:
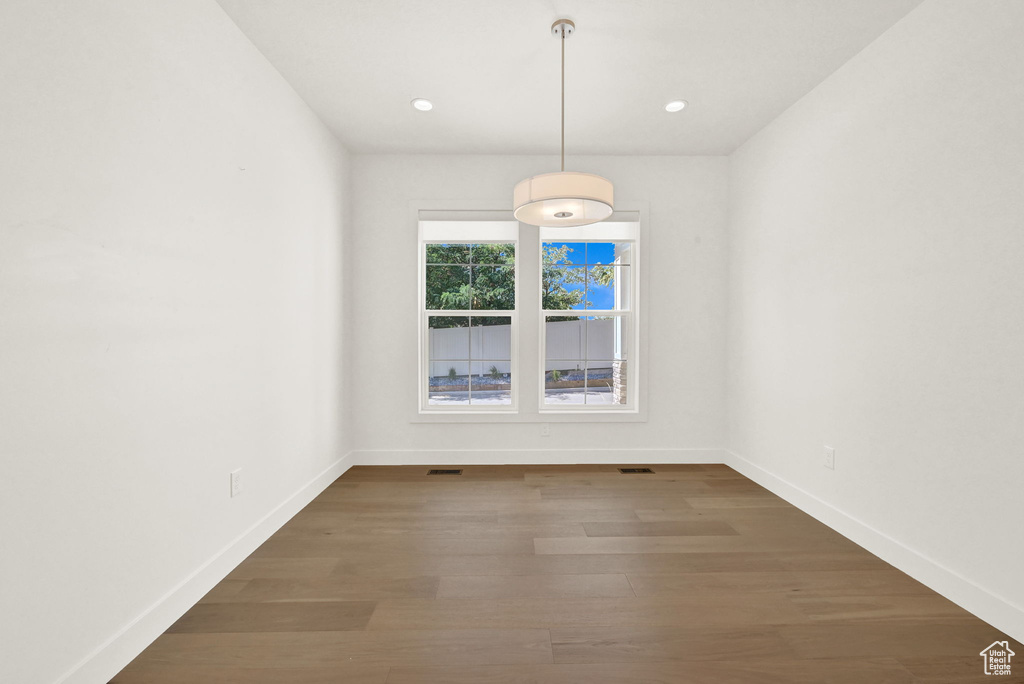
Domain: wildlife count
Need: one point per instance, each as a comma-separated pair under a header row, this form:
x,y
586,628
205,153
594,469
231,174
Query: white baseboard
x,y
994,610
121,648
533,456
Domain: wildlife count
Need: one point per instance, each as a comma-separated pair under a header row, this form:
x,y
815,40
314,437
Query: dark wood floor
x,y
563,575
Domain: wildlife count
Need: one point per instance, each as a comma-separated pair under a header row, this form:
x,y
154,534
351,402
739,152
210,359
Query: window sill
x,y
596,416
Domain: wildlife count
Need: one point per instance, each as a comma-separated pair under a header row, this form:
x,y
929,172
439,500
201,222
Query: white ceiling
x,y
492,68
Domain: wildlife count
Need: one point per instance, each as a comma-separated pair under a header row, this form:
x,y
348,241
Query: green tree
x,y
557,272
482,277
478,277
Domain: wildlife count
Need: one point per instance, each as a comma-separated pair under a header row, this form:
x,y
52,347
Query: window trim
x,y
470,210
459,232
586,234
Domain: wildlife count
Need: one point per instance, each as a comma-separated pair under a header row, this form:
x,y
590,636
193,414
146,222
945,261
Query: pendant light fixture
x,y
565,198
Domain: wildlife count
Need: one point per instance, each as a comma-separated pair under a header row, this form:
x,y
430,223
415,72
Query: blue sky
x,y
588,254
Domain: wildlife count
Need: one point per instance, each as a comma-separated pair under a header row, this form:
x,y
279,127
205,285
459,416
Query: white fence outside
x,y
565,341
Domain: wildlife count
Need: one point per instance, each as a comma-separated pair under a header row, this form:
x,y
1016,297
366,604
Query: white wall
x,y
877,298
170,249
684,305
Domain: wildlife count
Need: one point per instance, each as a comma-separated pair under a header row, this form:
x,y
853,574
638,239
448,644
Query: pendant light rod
x,y
562,29
563,100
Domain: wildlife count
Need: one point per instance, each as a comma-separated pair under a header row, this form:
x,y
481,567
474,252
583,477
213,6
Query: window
x,y
468,316
588,332
576,351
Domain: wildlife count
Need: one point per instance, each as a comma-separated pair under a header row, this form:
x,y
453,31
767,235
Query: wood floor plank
x,y
652,644
419,473
416,492
283,568
805,532
874,639
663,482
312,528
341,545
151,672
603,545
627,613
773,522
306,616
612,476
634,491
501,519
745,501
873,608
287,650
850,558
534,586
769,516
225,590
880,671
336,588
390,564
497,504
618,545
871,583
736,485
658,529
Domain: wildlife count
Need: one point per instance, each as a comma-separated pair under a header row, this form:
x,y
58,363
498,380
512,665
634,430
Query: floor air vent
x,y
445,472
633,471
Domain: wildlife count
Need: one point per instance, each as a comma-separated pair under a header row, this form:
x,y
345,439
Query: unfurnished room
x,y
511,341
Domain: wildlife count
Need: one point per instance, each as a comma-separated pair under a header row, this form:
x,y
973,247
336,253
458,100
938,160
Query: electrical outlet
x,y
236,482
545,430
830,458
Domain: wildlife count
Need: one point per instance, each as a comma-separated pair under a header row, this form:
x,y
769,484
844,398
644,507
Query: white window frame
x,y
609,231
466,232
527,345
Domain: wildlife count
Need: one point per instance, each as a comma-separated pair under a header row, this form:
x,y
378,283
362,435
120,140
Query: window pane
x,y
564,337
490,337
607,337
564,253
623,288
491,382
600,338
468,358
448,254
448,360
449,337
608,253
598,346
503,254
606,382
494,288
587,337
589,276
563,287
440,395
448,287
564,381
448,378
608,287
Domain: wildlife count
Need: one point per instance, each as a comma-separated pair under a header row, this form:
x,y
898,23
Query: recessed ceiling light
x,y
422,104
675,106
